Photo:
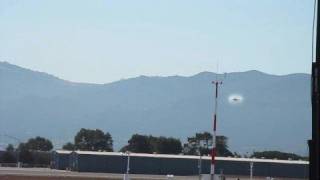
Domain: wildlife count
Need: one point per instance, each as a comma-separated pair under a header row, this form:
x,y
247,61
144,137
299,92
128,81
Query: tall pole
x,y
214,139
128,164
314,144
251,170
126,175
200,166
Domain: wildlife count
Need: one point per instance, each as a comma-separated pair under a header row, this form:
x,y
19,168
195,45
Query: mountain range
x,y
273,112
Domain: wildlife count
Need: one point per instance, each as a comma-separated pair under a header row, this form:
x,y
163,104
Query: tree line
x,y
36,150
200,143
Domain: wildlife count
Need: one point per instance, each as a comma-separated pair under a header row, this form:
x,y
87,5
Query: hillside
x,y
275,113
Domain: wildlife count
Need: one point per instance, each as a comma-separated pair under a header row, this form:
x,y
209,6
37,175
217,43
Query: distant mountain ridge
x,y
275,113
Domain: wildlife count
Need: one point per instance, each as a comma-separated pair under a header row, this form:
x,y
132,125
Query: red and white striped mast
x,y
214,139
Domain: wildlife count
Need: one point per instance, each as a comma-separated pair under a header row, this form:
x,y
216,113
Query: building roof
x,y
62,152
184,157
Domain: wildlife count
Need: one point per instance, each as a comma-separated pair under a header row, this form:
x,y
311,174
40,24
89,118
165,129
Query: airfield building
x,y
114,162
60,159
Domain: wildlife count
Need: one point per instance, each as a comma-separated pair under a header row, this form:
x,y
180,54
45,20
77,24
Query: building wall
x,y
60,161
176,166
99,163
180,166
263,169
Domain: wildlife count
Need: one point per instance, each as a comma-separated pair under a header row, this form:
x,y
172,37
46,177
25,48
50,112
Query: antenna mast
x,y
216,83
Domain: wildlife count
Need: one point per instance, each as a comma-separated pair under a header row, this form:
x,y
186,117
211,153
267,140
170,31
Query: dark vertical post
x,y
214,137
314,144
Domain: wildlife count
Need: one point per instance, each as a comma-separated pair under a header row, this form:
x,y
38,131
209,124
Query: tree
x,y
276,155
139,144
222,147
25,155
202,143
237,155
192,147
9,155
10,148
39,144
150,144
69,146
168,146
93,140
41,158
205,139
26,150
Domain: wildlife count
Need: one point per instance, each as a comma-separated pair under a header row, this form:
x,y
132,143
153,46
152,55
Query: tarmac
x,y
14,173
9,173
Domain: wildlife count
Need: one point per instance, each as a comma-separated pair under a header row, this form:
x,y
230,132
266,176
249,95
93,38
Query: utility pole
x,y
214,139
200,165
126,175
314,143
251,170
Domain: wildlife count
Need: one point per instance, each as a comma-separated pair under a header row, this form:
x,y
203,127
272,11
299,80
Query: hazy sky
x,y
103,41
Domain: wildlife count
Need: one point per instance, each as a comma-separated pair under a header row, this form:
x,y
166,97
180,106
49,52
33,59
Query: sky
x,y
103,41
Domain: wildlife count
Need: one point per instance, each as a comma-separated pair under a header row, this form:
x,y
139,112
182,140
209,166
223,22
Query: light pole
x,y
251,170
126,175
200,163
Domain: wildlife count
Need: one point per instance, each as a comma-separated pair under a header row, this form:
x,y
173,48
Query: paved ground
x,y
49,174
